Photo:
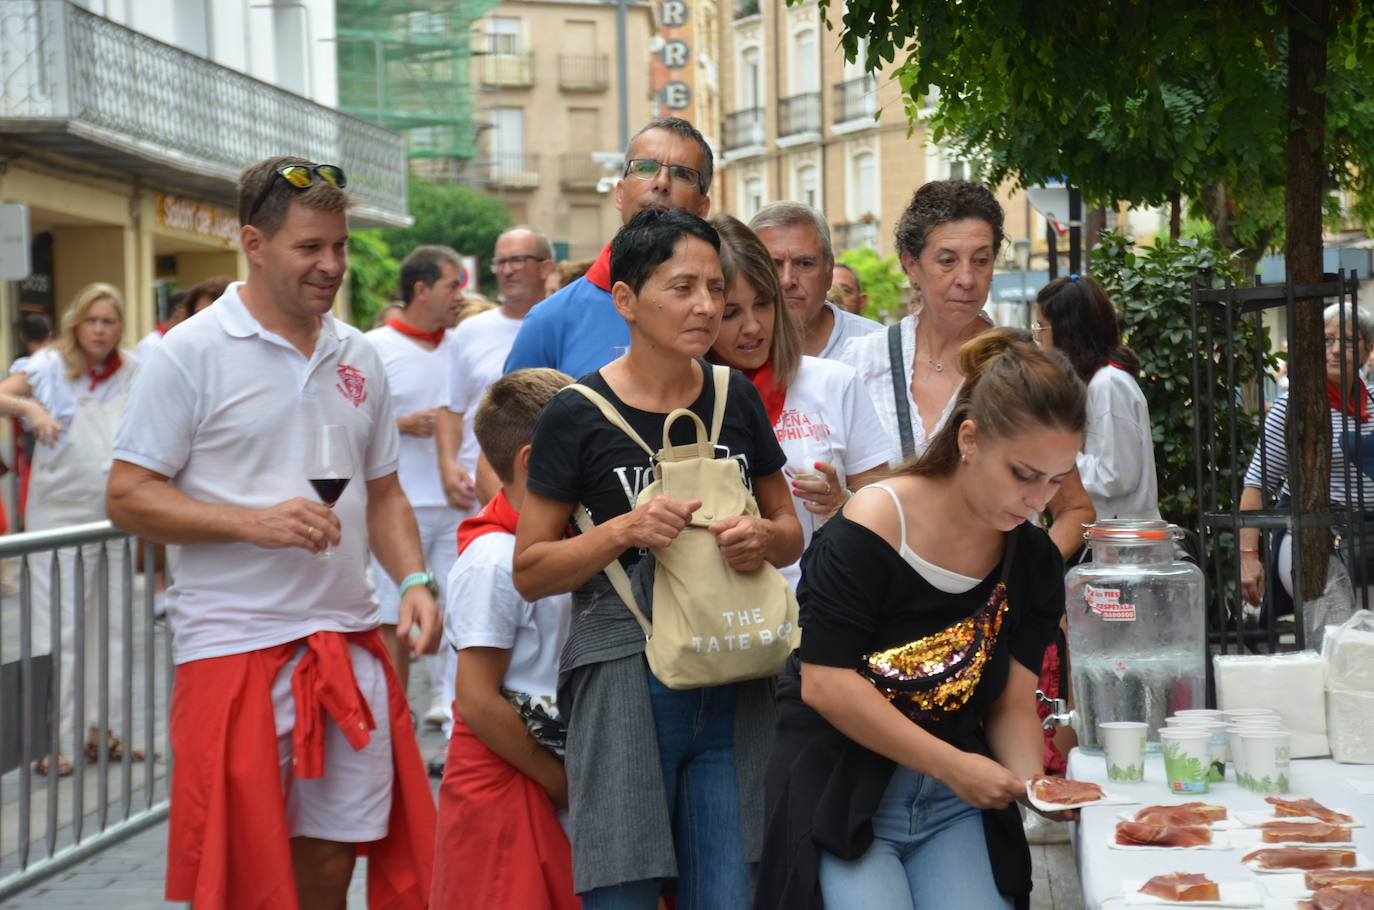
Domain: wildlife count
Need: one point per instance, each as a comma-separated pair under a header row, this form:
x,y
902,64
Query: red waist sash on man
x,y
228,843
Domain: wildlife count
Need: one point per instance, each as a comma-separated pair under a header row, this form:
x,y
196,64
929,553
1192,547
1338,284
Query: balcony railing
x,y
578,171
515,170
83,86
584,73
856,235
856,100
508,70
799,114
744,129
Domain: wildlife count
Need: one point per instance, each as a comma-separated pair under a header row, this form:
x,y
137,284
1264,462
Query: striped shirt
x,y
1269,467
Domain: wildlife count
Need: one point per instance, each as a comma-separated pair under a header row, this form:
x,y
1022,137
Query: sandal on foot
x,y
64,767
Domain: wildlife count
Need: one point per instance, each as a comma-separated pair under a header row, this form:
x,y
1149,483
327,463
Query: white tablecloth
x,y
1102,869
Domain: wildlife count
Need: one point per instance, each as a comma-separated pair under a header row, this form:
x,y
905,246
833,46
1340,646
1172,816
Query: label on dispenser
x,y
1106,602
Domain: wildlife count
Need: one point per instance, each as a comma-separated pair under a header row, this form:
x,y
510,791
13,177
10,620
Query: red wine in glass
x,y
330,466
329,489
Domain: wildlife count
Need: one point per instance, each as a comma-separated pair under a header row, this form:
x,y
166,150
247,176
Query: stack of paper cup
x,y
1211,721
1123,742
1266,759
1258,720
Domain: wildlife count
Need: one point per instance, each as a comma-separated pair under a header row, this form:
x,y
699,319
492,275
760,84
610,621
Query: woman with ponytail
x,y
1117,463
815,406
907,725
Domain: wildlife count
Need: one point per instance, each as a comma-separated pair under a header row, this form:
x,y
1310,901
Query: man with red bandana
x,y
668,165
294,746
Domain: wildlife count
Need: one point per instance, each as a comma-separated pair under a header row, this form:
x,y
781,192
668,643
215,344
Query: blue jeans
x,y
696,744
928,852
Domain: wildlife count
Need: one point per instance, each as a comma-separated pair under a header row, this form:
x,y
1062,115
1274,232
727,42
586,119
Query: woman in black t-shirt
x,y
663,784
907,725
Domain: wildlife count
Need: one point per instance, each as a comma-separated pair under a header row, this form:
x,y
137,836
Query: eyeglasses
x,y
1331,341
1037,328
514,261
648,169
300,176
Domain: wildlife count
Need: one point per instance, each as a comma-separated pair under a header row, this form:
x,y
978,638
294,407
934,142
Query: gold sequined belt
x,y
935,676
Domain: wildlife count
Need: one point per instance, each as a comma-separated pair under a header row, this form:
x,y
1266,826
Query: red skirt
x,y
500,846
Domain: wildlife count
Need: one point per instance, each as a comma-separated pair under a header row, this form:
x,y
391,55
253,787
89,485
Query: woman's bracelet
x,y
1249,550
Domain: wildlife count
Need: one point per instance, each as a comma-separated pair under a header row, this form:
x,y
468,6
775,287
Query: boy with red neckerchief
x,y
501,844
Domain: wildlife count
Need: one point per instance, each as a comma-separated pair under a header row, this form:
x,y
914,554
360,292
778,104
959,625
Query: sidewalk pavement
x,y
129,875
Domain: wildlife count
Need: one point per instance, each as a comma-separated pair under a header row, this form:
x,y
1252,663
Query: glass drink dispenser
x,y
1137,629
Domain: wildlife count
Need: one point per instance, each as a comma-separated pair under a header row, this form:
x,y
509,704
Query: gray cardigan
x,y
621,831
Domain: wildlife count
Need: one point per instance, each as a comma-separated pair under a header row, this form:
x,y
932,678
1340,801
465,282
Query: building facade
x,y
547,102
801,123
124,125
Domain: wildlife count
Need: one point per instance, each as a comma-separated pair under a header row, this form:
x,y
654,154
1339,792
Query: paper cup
x,y
1266,759
1237,755
1124,744
1187,758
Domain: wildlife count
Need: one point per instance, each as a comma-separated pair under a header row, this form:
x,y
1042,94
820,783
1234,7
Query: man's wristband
x,y
420,578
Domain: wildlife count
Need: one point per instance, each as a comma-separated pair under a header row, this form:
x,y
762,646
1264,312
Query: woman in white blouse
x,y
819,410
72,394
1117,463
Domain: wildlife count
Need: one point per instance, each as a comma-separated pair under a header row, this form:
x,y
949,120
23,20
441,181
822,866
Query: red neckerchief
x,y
406,328
1359,407
162,328
600,272
773,395
497,515
104,371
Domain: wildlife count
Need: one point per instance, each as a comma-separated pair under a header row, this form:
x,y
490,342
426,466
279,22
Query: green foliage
x,y
1125,100
1151,290
453,216
372,276
882,280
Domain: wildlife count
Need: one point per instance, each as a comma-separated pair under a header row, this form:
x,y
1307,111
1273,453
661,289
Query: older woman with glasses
x,y
1349,342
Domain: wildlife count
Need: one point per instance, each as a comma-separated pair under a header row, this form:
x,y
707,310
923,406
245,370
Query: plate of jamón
x,y
1303,859
1191,889
1150,836
1053,794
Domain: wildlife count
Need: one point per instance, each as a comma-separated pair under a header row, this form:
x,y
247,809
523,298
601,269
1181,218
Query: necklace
x,y
938,364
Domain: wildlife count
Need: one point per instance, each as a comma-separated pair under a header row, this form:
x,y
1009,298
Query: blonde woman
x,y
72,394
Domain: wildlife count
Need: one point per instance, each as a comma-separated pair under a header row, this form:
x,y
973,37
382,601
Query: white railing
x,y
64,70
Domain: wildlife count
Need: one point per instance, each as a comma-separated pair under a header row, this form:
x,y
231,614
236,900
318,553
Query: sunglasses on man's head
x,y
300,176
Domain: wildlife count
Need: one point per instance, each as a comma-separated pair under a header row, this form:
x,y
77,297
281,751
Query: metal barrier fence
x,y
82,621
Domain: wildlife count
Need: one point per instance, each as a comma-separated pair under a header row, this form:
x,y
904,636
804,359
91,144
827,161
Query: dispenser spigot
x,y
1059,716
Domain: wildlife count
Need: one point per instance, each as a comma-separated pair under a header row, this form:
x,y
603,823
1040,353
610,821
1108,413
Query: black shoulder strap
x,y
1009,551
899,392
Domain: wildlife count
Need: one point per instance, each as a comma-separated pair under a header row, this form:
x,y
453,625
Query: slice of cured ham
x,y
1147,835
1187,814
1345,878
1308,807
1182,886
1303,832
1065,792
1300,858
1338,899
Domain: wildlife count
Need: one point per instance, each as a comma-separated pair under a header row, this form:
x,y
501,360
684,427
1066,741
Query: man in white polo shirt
x,y
416,348
522,262
292,737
